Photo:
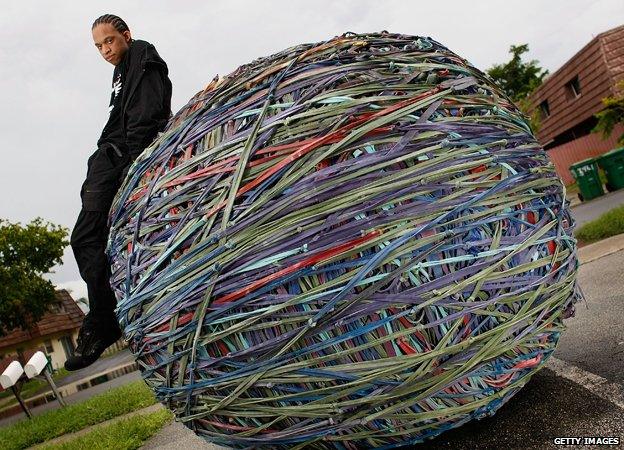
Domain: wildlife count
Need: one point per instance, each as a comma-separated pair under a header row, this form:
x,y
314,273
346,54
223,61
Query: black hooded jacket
x,y
145,104
137,116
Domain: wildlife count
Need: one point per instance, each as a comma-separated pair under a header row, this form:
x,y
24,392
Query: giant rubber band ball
x,y
352,244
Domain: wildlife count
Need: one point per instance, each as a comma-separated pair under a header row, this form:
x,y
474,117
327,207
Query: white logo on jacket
x,y
116,90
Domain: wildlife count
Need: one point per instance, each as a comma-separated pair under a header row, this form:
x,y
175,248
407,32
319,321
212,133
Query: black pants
x,y
90,234
88,241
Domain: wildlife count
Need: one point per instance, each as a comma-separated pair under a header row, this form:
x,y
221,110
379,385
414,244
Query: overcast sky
x,y
55,87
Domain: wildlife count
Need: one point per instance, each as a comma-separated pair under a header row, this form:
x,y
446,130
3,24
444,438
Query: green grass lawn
x,y
126,434
51,424
607,225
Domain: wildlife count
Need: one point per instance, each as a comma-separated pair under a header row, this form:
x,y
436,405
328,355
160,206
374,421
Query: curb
x,y
605,247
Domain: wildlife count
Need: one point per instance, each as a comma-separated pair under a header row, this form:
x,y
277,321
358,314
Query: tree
x,y
518,79
26,254
612,114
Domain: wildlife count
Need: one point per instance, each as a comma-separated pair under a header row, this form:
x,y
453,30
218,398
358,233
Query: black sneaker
x,y
92,341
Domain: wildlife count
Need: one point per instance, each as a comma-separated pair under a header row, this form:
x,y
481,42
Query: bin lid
x,y
583,162
615,151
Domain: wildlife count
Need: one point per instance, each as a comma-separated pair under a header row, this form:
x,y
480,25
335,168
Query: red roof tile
x,y
65,314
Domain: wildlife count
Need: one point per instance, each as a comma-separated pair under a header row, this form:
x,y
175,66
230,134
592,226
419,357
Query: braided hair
x,y
113,20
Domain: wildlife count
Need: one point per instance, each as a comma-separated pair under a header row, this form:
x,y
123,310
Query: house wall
x,y
566,111
599,66
57,356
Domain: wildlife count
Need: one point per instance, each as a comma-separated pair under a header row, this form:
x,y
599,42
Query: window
x,y
48,346
68,346
545,109
573,87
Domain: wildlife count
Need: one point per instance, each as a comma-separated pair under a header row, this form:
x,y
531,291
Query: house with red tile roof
x,y
55,334
568,100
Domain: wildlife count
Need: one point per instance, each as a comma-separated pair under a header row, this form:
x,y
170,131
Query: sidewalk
x,y
176,436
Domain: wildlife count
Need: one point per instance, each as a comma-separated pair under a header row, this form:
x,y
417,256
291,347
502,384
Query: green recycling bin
x,y
588,179
613,164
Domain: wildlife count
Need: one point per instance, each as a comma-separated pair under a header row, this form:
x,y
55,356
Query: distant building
x,y
55,334
568,99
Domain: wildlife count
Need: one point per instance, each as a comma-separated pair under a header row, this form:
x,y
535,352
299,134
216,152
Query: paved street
x,y
120,358
584,212
547,407
594,339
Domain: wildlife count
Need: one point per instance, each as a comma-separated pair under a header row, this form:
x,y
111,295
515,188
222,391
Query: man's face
x,y
111,44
